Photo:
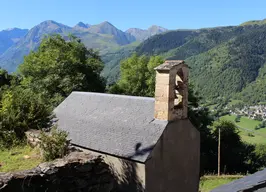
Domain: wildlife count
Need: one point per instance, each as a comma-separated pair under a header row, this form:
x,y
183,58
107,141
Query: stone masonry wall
x,y
78,171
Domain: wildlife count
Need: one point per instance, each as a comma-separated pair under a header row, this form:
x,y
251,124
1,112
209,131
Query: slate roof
x,y
255,182
114,124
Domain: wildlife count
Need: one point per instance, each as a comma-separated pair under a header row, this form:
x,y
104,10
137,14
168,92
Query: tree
x,y
20,110
236,156
137,76
6,80
59,67
260,152
237,119
258,117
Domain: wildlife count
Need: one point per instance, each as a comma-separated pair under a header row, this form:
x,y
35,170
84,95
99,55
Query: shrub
x,y
250,135
260,152
54,144
20,110
237,119
8,139
258,117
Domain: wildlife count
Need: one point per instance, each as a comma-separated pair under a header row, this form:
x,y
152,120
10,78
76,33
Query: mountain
x,y
234,69
254,22
226,62
81,26
141,34
154,29
9,37
104,37
13,56
108,29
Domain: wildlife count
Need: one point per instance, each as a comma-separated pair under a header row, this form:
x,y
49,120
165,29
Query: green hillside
x,y
182,44
254,22
112,59
247,129
232,68
226,62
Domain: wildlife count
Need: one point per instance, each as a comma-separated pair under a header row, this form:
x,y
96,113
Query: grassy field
x,y
244,122
259,136
209,182
233,102
19,158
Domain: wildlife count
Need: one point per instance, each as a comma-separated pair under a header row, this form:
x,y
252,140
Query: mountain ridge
x,y
226,62
9,37
143,34
104,37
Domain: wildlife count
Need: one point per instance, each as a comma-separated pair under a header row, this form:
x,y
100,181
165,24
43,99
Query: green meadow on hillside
x,y
19,158
247,129
209,182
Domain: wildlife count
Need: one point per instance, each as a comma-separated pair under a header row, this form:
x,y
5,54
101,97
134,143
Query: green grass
x,y
211,107
207,183
257,139
13,159
233,102
245,122
259,135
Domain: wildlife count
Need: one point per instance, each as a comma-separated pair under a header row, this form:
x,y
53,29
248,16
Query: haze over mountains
x,y
16,43
9,37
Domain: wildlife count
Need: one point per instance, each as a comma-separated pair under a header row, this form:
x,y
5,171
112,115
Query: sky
x,y
124,14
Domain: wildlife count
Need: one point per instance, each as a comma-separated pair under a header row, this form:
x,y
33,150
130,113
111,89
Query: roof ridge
x,y
112,95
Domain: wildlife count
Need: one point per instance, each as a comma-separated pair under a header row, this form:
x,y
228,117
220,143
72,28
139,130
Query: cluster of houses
x,y
253,112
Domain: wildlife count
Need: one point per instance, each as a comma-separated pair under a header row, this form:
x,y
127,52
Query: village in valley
x,y
257,112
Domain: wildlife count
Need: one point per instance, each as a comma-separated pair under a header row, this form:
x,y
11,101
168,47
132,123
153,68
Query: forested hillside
x,y
226,62
230,68
111,59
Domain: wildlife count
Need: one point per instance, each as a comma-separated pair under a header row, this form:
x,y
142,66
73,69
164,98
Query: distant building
x,y
149,142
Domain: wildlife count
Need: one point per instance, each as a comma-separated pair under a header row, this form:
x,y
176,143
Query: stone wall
x,y
129,175
78,171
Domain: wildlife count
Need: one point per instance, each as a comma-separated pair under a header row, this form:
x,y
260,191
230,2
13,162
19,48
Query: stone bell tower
x,y
171,90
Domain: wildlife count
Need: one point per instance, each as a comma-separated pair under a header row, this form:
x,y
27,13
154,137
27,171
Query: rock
x,y
78,171
84,168
26,157
15,153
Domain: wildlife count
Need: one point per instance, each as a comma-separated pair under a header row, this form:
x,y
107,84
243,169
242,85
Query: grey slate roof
x,y
254,182
114,124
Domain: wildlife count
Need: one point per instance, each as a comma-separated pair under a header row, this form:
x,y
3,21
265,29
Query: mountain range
x,y
225,62
16,43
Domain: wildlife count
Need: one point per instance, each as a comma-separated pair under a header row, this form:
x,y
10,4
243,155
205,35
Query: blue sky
x,y
171,14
